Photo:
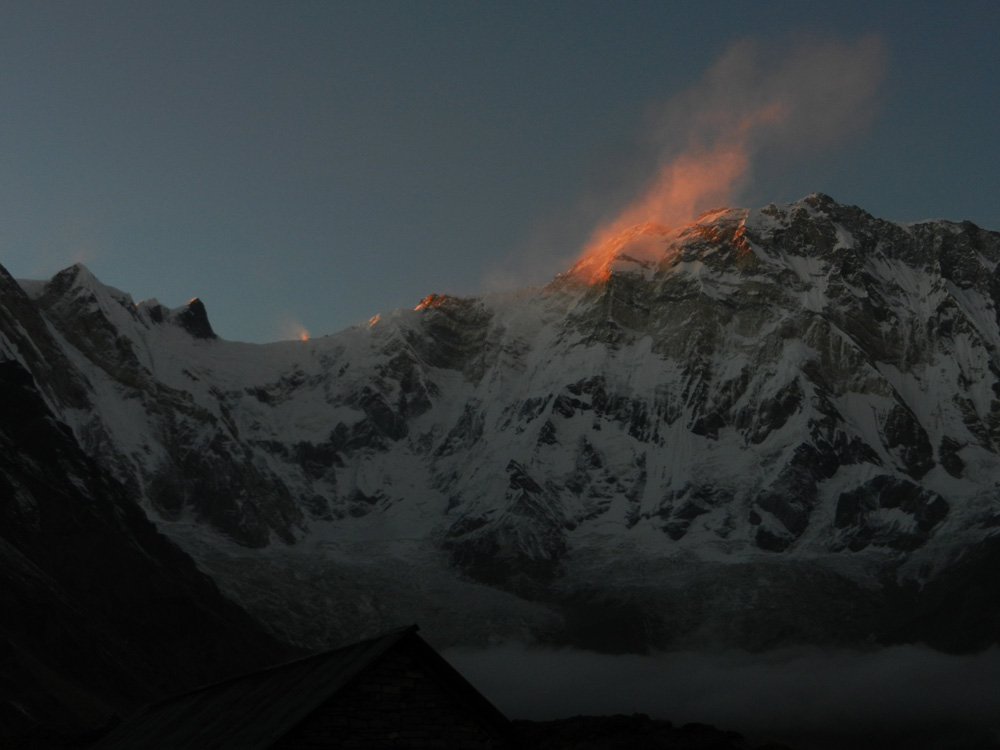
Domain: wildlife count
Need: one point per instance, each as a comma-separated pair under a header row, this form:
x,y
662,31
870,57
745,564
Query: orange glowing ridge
x,y
642,242
699,177
431,300
442,300
303,335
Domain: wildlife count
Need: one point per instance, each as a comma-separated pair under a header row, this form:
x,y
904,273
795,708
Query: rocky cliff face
x,y
776,425
101,612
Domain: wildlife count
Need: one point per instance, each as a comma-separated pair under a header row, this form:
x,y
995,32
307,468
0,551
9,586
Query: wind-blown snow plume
x,y
706,138
288,327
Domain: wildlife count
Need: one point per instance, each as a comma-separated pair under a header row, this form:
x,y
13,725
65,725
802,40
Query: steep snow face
x,y
801,385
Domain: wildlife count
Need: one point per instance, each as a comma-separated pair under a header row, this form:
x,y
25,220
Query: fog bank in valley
x,y
815,698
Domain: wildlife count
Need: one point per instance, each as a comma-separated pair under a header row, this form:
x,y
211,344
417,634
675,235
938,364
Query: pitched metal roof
x,y
253,711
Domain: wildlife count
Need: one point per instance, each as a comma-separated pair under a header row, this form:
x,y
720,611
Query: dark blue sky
x,y
314,163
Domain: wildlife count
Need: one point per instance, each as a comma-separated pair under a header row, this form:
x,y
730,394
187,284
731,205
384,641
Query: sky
x,y
303,166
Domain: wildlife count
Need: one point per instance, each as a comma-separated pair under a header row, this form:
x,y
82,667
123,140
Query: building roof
x,y
256,710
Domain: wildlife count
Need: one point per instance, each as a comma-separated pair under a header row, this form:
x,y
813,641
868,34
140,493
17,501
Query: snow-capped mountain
x,y
99,612
770,426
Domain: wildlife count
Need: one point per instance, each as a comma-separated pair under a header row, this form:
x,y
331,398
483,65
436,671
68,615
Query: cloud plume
x,y
751,104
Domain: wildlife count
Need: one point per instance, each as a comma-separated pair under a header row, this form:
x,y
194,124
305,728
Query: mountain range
x,y
772,426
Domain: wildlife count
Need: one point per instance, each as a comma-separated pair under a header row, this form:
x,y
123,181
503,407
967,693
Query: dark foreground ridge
x,y
640,732
100,612
637,731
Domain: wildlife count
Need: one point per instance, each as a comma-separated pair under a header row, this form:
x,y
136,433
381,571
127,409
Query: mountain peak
x,y
819,200
721,214
194,319
77,280
640,244
79,275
